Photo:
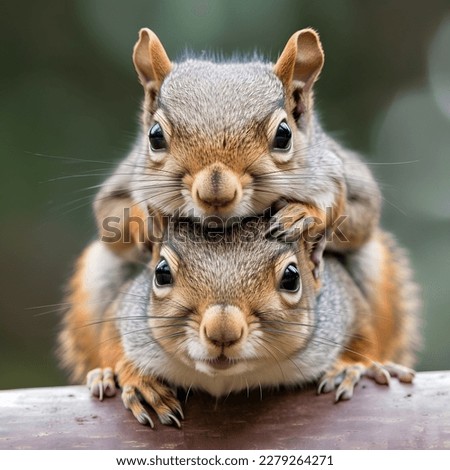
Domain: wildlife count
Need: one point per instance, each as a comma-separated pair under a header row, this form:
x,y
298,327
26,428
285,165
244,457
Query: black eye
x,y
156,137
291,279
163,276
283,137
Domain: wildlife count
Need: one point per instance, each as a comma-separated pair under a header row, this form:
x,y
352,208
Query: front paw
x,y
101,382
137,391
345,377
295,220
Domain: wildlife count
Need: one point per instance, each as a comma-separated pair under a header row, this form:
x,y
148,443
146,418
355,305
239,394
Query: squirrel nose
x,y
224,326
217,200
223,338
216,186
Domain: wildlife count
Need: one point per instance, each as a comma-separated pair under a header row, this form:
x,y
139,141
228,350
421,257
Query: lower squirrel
x,y
235,310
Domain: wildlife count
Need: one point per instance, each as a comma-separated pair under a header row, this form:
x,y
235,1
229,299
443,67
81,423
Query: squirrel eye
x,y
163,276
156,137
291,279
283,137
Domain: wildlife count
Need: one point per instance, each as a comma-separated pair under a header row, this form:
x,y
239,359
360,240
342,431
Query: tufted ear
x,y
314,239
150,59
299,65
311,238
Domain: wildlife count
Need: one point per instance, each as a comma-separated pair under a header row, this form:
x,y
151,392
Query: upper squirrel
x,y
234,139
233,310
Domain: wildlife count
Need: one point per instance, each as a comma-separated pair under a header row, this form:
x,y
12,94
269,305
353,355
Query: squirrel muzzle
x,y
222,327
216,189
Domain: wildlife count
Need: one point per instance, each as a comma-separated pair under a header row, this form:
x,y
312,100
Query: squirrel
x,y
227,139
232,139
232,310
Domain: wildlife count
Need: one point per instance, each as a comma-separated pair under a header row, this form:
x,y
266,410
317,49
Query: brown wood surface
x,y
400,416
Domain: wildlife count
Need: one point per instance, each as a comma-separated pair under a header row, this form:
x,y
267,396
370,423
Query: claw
x,y
101,382
180,411
343,393
330,381
346,377
172,419
148,390
351,377
404,374
100,391
110,391
321,387
145,419
326,386
378,373
131,401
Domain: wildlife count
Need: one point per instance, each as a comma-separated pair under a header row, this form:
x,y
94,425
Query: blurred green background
x,y
68,93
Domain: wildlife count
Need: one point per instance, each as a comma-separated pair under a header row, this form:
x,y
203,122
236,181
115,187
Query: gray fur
x,y
206,98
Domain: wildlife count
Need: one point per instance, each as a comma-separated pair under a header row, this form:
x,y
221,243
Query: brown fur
x,y
386,330
395,312
79,338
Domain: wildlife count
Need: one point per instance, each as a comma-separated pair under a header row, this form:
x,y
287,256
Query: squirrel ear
x,y
301,60
150,59
315,250
299,66
312,235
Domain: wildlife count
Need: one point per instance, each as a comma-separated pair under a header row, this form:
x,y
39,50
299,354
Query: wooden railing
x,y
400,416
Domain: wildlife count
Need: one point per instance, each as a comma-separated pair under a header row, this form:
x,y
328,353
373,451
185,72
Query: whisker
x,y
148,328
85,160
260,341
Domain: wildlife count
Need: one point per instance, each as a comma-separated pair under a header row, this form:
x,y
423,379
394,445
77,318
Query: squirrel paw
x,y
158,396
101,382
404,374
291,221
346,377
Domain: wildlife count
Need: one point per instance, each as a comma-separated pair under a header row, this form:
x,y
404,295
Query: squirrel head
x,y
224,131
231,299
